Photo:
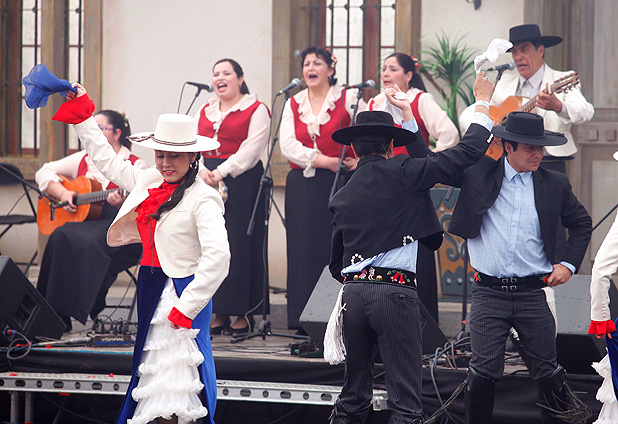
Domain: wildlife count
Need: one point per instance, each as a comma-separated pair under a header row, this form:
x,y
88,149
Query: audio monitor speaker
x,y
322,301
22,307
577,349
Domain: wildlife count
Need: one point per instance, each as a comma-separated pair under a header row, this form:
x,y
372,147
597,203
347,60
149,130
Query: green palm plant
x,y
450,61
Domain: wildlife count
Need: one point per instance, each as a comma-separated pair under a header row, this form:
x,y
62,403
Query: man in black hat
x,y
380,216
507,210
559,110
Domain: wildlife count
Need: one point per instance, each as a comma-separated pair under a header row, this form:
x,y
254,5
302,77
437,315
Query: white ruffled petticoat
x,y
605,394
169,381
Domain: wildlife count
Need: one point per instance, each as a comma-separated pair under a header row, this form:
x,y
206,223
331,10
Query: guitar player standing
x,y
559,110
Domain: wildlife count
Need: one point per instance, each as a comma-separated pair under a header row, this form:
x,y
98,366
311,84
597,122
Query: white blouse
x,y
294,150
251,149
437,122
69,166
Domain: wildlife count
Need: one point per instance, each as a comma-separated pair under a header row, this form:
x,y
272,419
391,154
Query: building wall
x,y
477,28
151,47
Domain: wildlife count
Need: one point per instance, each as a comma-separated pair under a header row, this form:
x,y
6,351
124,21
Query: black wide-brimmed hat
x,y
374,122
527,128
532,33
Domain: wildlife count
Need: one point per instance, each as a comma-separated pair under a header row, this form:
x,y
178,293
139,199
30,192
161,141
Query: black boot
x,y
479,398
340,415
558,402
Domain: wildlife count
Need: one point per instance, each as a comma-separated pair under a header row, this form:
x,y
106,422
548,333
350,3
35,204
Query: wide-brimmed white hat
x,y
175,133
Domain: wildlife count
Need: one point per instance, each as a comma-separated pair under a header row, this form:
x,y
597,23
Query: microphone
x,y
293,84
201,86
367,84
501,68
62,204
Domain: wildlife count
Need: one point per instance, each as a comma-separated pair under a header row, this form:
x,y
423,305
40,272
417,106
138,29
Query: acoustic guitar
x,y
89,201
516,104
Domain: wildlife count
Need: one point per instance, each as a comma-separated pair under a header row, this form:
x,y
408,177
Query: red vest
x,y
419,121
339,118
232,132
83,169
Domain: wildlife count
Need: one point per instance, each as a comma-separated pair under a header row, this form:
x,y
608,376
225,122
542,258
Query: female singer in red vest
x,y
240,123
309,119
401,69
78,266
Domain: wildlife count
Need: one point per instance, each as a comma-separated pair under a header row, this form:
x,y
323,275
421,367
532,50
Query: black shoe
x,y
220,328
243,330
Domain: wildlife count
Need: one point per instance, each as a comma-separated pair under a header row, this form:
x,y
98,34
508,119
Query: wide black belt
x,y
375,274
511,284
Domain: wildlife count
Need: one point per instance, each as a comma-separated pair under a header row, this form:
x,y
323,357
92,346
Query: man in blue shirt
x,y
508,210
379,217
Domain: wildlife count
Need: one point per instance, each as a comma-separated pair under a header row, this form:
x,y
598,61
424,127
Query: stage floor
x,y
258,366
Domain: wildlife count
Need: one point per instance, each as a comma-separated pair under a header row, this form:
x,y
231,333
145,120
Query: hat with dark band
x,y
527,128
374,122
532,33
175,133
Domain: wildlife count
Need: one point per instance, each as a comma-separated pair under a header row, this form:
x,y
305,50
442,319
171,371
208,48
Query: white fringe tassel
x,y
334,349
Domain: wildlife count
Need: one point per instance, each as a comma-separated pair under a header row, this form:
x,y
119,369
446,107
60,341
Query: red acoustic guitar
x,y
89,201
516,103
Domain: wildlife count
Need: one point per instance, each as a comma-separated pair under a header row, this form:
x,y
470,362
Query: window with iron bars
x,y
360,33
20,50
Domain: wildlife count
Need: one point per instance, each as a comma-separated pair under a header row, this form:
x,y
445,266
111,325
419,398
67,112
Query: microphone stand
x,y
265,191
341,167
464,296
52,202
197,94
605,217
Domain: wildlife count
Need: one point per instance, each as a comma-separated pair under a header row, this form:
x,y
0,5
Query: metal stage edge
x,y
232,390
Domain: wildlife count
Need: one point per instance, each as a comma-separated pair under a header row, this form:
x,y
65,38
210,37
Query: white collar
x,y
536,80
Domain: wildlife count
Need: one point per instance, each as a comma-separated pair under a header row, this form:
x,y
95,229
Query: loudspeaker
x,y
577,349
322,301
22,307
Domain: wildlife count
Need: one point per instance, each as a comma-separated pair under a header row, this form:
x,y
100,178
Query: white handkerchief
x,y
497,47
394,111
400,95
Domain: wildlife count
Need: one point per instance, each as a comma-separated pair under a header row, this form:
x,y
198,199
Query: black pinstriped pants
x,y
493,313
384,315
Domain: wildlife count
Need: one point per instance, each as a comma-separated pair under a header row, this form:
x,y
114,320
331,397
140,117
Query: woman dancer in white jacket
x,y
179,220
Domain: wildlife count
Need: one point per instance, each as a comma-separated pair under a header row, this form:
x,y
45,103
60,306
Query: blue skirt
x,y
150,284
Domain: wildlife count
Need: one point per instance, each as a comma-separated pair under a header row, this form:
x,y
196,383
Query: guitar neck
x,y
94,197
531,104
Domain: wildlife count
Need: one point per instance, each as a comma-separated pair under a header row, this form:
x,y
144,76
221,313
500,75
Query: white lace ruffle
x,y
213,113
305,112
605,394
169,381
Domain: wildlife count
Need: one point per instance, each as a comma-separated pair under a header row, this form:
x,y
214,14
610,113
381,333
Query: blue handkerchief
x,y
40,83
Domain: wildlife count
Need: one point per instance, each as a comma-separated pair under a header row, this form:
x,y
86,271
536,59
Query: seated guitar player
x,y
78,267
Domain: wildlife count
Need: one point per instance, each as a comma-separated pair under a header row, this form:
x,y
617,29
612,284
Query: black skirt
x,y
308,227
78,267
242,290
